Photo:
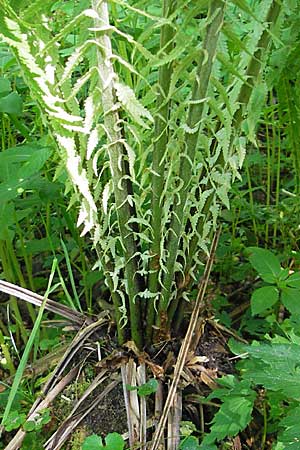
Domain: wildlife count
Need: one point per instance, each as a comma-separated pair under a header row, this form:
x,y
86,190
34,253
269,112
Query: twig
x,y
16,442
51,305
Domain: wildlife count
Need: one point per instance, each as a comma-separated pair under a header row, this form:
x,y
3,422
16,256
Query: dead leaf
x,y
207,377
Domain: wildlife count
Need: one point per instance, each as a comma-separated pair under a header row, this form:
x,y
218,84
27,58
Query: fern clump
x,y
150,111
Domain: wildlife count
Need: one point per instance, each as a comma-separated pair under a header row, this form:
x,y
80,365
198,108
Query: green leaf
x,y
131,388
32,441
290,297
148,388
145,389
256,105
92,442
35,162
294,280
14,420
284,274
11,104
243,5
232,417
114,441
190,443
19,176
29,425
263,298
266,264
235,412
290,435
5,87
276,366
7,212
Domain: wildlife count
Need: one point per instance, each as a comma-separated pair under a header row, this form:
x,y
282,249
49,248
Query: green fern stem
x,y
252,73
255,64
160,142
195,111
117,164
117,302
292,129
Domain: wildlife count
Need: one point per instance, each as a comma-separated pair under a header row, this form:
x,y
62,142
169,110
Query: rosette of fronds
x,y
150,106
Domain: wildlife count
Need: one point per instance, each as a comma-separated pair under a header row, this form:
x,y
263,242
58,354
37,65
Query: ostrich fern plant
x,y
150,114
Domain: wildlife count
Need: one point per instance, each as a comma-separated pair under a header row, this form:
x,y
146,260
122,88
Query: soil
x,y
109,415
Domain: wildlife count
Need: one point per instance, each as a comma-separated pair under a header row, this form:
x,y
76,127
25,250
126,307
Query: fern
x,y
150,108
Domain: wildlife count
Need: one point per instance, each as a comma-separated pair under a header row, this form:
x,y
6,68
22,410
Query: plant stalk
x,y
252,73
195,111
160,142
117,164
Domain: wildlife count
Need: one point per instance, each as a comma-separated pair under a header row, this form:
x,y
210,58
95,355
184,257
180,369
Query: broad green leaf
x,y
232,417
274,366
231,386
290,297
284,274
263,298
5,87
14,420
208,447
290,436
92,442
32,441
294,280
14,155
266,264
29,425
11,104
19,179
12,189
235,412
114,441
190,443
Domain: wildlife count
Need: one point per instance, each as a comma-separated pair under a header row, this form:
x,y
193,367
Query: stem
x,y
278,167
27,261
195,111
9,275
116,299
251,201
264,433
269,168
116,156
293,131
252,73
6,354
160,141
18,271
